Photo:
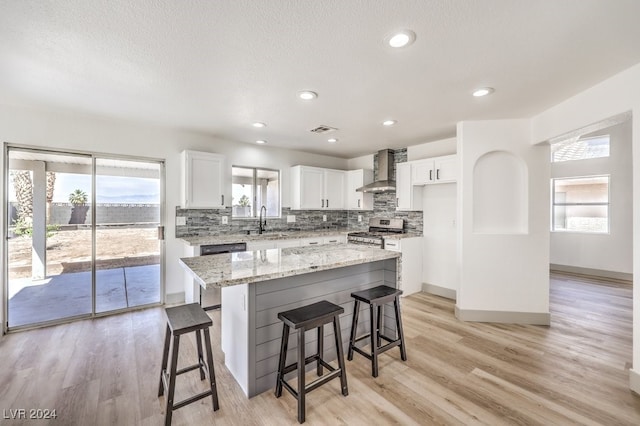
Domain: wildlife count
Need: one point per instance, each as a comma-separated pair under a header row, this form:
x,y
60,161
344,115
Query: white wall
x,y
612,252
609,98
503,271
61,130
432,149
364,162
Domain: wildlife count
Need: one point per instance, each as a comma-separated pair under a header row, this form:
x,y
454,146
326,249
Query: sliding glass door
x,y
82,235
127,244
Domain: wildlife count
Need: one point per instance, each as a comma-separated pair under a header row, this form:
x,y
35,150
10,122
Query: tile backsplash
x,y
209,221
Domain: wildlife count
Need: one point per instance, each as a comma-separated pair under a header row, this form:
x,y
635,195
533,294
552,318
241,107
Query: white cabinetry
x,y
316,188
359,200
408,197
335,239
411,249
261,245
203,180
435,170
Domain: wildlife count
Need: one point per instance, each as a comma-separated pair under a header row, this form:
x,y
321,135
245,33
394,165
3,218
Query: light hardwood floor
x,y
105,371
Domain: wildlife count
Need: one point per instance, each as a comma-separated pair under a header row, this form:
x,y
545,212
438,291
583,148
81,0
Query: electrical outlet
x,y
291,218
359,218
181,221
324,217
225,220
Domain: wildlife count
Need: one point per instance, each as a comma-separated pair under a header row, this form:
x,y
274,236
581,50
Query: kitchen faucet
x,y
262,223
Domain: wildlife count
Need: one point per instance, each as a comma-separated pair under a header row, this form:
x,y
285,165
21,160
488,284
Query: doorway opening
x,y
82,235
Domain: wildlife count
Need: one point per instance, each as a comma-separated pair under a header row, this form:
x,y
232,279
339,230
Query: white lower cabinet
x,y
261,245
411,274
335,239
288,243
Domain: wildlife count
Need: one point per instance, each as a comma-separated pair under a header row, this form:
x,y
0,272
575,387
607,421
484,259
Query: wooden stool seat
x,y
180,320
315,315
376,297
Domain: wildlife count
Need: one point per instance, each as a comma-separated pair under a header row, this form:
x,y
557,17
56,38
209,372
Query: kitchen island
x,y
256,285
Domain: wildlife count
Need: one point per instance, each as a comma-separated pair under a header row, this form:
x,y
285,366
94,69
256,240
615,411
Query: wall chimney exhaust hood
x,y
385,171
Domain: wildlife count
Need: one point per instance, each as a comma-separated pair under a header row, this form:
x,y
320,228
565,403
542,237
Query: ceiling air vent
x,y
323,129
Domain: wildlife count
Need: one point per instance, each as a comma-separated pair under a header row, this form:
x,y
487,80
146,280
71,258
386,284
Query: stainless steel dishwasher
x,y
210,297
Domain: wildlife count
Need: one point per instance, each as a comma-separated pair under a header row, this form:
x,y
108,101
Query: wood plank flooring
x,y
105,371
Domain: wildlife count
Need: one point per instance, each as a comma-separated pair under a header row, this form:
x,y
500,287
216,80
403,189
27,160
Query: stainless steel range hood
x,y
385,171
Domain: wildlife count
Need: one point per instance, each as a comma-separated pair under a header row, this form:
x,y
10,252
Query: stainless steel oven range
x,y
379,227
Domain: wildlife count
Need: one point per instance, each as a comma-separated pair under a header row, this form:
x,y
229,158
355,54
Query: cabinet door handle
x,y
313,242
430,174
358,203
397,202
323,203
327,203
222,196
438,174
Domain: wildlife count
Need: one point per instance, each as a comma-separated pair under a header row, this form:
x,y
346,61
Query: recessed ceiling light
x,y
332,140
389,122
401,38
261,142
259,124
484,91
307,95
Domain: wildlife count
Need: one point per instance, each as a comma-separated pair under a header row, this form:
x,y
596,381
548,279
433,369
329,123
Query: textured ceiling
x,y
218,66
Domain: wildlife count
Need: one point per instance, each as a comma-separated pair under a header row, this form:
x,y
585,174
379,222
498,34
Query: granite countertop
x,y
402,236
228,269
268,235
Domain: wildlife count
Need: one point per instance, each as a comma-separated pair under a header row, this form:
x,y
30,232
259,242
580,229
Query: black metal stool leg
x,y
165,358
301,385
320,349
403,349
343,373
212,373
282,360
354,326
374,340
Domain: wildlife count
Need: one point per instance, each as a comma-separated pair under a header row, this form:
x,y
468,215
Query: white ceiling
x,y
218,66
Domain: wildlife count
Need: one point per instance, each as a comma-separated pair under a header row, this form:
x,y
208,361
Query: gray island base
x,y
278,280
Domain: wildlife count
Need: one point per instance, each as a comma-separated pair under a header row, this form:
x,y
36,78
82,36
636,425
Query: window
x,y
253,188
580,149
581,204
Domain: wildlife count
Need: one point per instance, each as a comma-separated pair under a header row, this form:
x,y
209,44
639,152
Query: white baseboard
x,y
592,272
505,317
174,298
439,291
634,381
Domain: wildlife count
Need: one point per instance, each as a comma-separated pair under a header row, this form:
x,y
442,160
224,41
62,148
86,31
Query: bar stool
x,y
376,297
302,319
180,320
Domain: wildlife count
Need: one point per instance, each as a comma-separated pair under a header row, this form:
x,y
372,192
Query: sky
x,y
109,189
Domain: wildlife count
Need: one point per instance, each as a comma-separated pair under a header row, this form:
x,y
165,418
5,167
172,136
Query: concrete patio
x,y
67,295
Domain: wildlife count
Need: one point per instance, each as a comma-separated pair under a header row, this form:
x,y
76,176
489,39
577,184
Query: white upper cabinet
x,y
359,200
335,182
315,188
408,197
203,180
435,170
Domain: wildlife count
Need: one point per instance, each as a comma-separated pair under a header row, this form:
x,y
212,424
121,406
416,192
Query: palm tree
x,y
24,194
51,182
78,197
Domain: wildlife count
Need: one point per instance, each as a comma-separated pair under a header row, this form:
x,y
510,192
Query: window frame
x,y
565,204
254,203
607,135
